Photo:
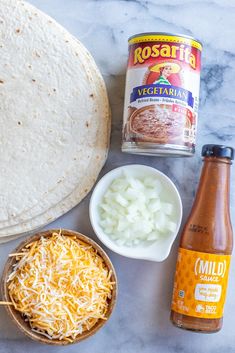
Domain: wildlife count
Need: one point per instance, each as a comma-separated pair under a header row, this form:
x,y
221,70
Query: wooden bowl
x,y
17,317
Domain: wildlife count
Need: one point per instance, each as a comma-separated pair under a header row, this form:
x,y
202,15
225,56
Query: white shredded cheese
x,y
61,286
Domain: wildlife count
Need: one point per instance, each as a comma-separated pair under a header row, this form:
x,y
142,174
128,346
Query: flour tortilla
x,y
55,120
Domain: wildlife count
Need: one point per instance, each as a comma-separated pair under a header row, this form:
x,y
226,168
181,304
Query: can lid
x,y
165,36
218,151
142,34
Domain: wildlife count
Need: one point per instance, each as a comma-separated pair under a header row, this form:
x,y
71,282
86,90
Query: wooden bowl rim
x,y
16,316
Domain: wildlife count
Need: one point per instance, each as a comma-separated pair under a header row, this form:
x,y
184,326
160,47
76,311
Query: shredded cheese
x,y
61,286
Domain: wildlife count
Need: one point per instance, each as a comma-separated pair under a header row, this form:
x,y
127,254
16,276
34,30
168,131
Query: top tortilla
x,y
54,115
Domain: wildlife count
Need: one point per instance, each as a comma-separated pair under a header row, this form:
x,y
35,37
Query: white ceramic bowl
x,y
160,249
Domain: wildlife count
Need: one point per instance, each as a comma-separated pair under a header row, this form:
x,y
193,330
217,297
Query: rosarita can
x,y
162,95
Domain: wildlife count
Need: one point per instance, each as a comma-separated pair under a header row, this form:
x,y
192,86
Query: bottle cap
x,y
218,151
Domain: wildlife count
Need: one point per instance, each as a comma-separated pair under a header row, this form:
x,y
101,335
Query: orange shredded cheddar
x,y
61,286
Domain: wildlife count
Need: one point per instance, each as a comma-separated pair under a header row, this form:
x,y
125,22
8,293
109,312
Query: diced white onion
x,y
133,210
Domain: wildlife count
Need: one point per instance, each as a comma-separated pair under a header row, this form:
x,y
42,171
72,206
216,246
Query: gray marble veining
x,y
140,322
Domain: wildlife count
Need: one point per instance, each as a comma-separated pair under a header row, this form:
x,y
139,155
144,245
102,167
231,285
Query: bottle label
x,y
200,284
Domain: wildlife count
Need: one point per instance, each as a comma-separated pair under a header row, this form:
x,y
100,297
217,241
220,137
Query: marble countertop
x,y
140,322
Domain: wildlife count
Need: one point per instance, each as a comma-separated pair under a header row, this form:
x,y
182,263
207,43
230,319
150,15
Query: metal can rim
x,y
166,34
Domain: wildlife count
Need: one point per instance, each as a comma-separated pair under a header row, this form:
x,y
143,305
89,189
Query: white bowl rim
x,y
119,250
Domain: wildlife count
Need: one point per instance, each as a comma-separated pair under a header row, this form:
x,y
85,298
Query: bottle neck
x,y
214,185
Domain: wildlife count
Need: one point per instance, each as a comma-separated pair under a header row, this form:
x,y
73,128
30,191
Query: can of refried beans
x,y
162,95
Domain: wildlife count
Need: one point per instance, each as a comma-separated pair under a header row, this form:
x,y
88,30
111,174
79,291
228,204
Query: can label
x,y
200,284
162,90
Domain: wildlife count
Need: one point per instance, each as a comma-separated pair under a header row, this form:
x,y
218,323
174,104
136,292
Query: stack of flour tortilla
x,y
54,116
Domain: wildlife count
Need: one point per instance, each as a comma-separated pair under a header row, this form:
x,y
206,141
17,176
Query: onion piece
x,y
134,210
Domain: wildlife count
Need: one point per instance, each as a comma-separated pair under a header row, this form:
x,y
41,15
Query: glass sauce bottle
x,y
205,248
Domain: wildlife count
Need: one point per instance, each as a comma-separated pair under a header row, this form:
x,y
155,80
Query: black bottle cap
x,y
218,151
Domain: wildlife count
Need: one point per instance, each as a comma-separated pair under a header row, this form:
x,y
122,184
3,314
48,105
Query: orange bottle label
x,y
200,284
